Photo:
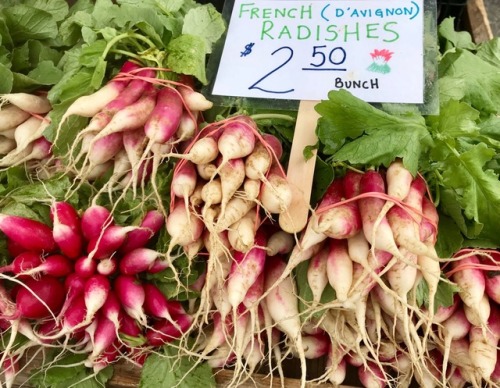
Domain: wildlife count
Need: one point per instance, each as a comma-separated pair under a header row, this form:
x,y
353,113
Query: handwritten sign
x,y
300,50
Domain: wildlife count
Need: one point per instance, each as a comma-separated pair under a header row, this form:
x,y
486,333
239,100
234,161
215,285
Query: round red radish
x,y
29,234
23,262
164,332
48,289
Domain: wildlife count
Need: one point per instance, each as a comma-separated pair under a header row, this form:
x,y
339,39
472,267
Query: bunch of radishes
x,y
135,120
78,285
23,118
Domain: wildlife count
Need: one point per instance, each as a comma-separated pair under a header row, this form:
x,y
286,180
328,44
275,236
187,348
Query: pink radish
x,y
96,291
471,281
372,376
94,219
339,268
165,117
492,286
107,266
85,266
241,234
130,327
381,236
28,102
415,197
317,276
75,286
53,265
164,332
105,148
104,336
137,260
11,116
30,234
10,368
275,144
157,305
337,375
315,346
483,351
351,184
257,164
109,242
236,141
184,181
203,151
150,225
48,290
276,194
232,175
211,193
245,270
66,229
130,292
428,225
443,313
194,100
478,315
183,226
280,242
187,126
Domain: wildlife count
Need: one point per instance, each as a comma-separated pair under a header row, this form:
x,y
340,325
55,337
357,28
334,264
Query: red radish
x,y
151,224
104,336
245,270
96,292
380,236
339,268
157,305
30,234
74,285
163,331
236,141
165,117
415,197
85,266
351,183
129,326
112,309
194,100
317,277
107,266
222,329
109,241
24,261
137,260
10,368
11,116
184,181
40,149
28,102
53,265
94,219
428,225
66,229
40,298
130,292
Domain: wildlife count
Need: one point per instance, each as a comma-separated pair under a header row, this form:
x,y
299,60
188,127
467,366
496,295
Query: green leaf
x,y
459,39
71,29
24,83
456,119
186,55
21,58
449,239
57,8
7,79
99,72
490,51
46,73
323,176
206,22
26,22
169,370
5,38
477,191
444,297
39,52
91,54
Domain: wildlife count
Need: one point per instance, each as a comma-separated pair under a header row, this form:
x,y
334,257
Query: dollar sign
x,y
248,49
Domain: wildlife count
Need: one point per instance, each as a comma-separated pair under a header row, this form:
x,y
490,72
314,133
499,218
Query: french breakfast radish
x,y
165,117
28,102
30,234
11,116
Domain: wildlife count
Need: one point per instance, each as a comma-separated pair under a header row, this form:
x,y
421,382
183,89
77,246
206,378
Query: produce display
x,y
139,221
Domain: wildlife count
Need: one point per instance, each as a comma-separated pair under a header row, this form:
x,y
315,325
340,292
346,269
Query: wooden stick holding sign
x,y
301,171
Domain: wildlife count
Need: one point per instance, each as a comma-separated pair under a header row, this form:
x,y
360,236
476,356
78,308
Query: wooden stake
x,y
301,172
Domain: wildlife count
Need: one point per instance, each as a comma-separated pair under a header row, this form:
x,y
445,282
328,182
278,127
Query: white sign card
x,y
300,50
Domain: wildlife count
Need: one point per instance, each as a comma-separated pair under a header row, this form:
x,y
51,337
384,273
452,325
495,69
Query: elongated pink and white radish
x,y
104,335
184,181
282,305
28,102
241,234
130,292
276,194
30,234
245,270
280,242
11,116
202,152
379,236
483,351
24,261
165,117
232,176
492,286
183,226
54,265
372,376
188,126
150,225
163,331
157,305
470,280
96,291
194,100
454,328
137,260
235,210
339,268
236,141
258,163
